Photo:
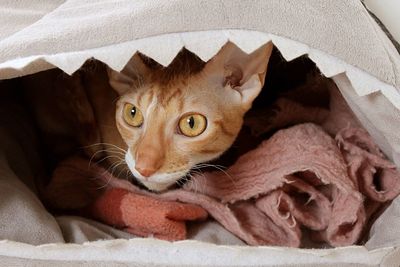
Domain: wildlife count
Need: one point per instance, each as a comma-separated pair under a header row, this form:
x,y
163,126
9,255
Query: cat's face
x,y
170,130
170,127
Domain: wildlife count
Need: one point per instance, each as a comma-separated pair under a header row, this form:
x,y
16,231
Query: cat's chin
x,y
157,187
158,182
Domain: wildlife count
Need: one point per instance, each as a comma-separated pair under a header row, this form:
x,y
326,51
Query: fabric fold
x,y
330,180
377,178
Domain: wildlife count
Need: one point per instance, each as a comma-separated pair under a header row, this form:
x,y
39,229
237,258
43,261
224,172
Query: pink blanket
x,y
300,178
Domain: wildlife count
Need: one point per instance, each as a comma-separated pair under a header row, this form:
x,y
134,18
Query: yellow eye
x,y
132,115
192,125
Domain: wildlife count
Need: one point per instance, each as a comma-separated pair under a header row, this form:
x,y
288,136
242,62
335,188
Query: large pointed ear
x,y
240,71
134,74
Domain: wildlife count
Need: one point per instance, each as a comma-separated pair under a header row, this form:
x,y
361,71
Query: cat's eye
x,y
192,125
132,115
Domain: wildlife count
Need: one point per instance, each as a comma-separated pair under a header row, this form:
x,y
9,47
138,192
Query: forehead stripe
x,y
139,98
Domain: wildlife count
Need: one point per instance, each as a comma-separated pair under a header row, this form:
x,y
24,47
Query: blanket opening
x,y
295,93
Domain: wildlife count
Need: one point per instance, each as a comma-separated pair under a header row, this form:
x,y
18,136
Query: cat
x,y
151,122
176,118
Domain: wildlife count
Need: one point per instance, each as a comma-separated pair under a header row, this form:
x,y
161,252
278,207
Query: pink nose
x,y
146,171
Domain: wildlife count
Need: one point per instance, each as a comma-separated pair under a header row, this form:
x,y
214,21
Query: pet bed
x,y
340,37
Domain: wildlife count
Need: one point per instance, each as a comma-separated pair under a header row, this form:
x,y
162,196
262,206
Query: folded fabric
x,y
297,178
374,176
329,179
81,186
144,215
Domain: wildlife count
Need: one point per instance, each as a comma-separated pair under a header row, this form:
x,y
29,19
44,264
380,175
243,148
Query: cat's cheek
x,y
201,158
127,134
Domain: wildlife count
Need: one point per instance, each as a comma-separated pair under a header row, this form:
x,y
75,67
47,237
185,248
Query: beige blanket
x,y
76,26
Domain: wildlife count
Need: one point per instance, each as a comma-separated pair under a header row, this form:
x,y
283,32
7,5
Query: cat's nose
x,y
149,156
148,162
146,171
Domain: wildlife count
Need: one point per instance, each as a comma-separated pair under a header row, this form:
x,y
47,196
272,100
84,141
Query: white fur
x,y
155,182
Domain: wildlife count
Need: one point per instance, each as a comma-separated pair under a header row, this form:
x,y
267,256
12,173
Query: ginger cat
x,y
158,123
171,121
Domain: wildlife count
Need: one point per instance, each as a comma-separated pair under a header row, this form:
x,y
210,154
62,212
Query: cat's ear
x,y
134,74
240,71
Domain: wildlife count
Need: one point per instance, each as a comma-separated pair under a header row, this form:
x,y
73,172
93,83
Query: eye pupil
x,y
133,111
191,121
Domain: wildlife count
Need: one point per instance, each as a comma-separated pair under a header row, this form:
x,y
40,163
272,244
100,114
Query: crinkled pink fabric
x,y
297,178
375,176
329,180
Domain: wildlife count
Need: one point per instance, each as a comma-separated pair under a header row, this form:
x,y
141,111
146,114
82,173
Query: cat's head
x,y
170,124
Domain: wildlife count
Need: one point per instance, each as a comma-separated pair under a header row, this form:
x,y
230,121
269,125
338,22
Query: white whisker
x,y
218,167
106,144
106,184
108,157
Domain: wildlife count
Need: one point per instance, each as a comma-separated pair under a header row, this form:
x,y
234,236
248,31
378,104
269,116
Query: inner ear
x,y
242,66
244,73
233,76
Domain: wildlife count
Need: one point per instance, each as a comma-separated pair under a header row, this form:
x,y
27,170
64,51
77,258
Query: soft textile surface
x,y
77,25
143,215
300,177
380,122
79,230
23,216
296,178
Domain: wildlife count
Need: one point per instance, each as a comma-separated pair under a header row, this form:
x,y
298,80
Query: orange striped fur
x,y
222,90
